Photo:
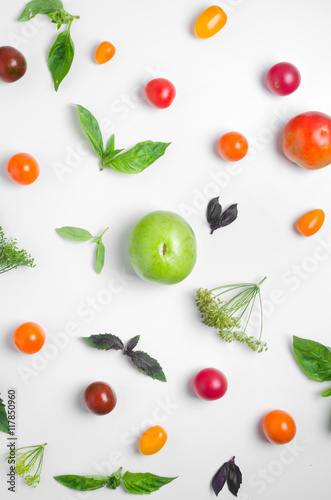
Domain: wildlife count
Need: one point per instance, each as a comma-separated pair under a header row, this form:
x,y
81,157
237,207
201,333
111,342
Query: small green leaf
x,y
99,257
104,342
144,483
74,233
326,393
39,7
138,158
82,483
3,418
115,479
91,129
60,57
314,358
132,343
147,365
110,144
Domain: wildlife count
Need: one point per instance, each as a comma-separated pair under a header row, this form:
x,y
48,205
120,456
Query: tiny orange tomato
x,y
311,222
210,22
232,146
29,338
279,427
104,52
23,169
152,440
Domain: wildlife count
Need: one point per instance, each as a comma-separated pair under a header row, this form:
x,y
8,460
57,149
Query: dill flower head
x,y
10,256
29,463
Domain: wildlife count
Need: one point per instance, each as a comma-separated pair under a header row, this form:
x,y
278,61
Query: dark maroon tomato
x,y
160,93
283,78
12,64
100,398
210,384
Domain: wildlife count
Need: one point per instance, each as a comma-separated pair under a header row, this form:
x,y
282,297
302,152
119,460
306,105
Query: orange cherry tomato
x,y
311,222
152,440
105,52
29,338
279,427
23,169
232,146
210,22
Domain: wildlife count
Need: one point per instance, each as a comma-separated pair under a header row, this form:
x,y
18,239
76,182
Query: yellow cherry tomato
x,y
104,53
210,22
152,440
311,222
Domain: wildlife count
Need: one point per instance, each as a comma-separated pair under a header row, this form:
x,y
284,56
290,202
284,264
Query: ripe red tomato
x,y
210,384
279,427
311,222
104,52
160,93
283,78
307,140
232,146
23,169
100,398
12,64
29,338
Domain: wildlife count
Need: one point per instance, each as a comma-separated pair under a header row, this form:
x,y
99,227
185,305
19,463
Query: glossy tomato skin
x,y
283,78
307,140
210,22
210,384
160,93
29,337
12,64
279,427
311,222
23,169
104,52
232,146
153,440
100,398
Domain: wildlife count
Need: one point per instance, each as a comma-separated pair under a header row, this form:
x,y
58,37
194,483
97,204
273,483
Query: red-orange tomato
x,y
23,169
232,146
152,440
29,338
210,22
104,52
279,427
307,140
311,222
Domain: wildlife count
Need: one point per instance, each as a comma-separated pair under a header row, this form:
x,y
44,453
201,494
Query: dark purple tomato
x,y
283,78
210,384
12,64
100,398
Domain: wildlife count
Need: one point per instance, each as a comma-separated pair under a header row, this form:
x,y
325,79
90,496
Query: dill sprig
x,y
29,463
10,256
228,316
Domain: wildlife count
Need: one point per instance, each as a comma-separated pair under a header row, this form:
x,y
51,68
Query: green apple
x,y
163,248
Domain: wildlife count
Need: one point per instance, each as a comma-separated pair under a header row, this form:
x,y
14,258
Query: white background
x,y
220,87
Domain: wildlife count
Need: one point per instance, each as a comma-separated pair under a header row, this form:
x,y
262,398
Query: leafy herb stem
x,y
97,239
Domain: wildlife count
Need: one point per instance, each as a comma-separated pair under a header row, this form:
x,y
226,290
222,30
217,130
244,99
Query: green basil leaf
x,y
132,343
147,365
82,483
314,358
3,418
110,145
326,393
144,484
99,257
39,7
104,342
115,479
74,233
60,57
138,158
91,129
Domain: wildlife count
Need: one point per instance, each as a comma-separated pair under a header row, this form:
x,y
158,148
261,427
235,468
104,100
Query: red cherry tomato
x,y
104,52
12,64
232,146
100,398
23,169
29,338
283,78
311,222
210,384
152,440
279,427
160,93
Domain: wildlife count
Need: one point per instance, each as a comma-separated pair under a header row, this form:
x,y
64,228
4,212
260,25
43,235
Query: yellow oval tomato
x,y
210,22
152,440
311,222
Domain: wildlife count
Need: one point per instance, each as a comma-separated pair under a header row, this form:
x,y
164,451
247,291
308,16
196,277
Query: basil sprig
x,y
314,359
3,418
79,234
62,52
135,483
133,161
141,360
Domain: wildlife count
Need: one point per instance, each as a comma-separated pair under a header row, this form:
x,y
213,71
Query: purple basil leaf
x,y
220,478
214,211
234,477
132,343
229,215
